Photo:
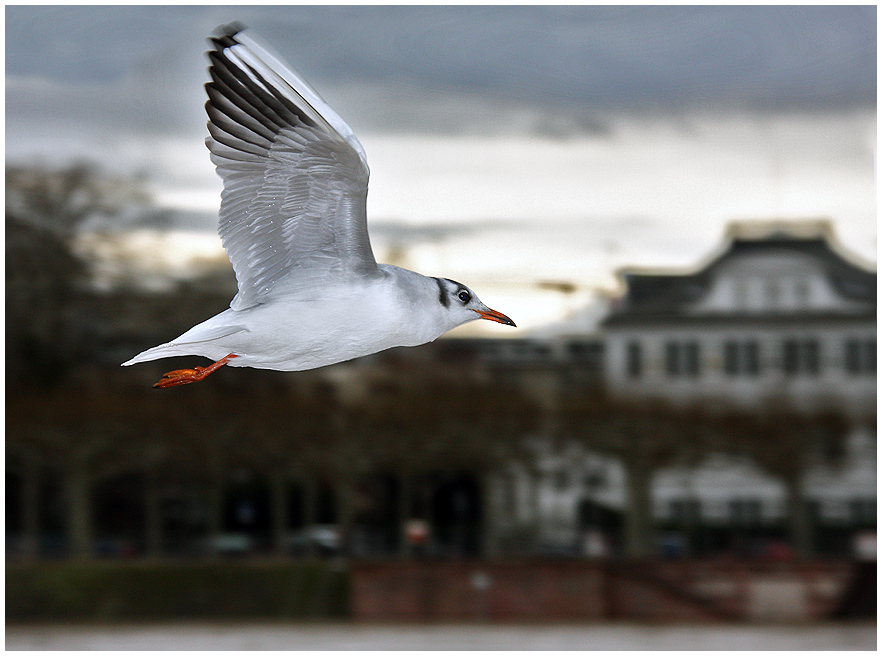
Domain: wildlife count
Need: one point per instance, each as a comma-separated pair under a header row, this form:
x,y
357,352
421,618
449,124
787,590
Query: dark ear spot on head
x,y
442,293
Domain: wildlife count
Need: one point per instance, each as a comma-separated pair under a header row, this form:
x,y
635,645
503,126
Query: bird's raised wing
x,y
295,176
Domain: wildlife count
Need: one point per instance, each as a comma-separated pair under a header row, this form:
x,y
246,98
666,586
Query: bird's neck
x,y
420,306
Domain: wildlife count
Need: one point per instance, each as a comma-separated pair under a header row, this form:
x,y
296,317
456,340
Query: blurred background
x,y
676,205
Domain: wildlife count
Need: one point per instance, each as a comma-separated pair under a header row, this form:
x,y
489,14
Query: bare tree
x,y
60,200
788,443
44,207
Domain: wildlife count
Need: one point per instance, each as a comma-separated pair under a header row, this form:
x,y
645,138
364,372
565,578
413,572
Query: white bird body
x,y
348,321
293,222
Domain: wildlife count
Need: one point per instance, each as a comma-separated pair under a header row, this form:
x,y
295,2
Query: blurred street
x,y
325,637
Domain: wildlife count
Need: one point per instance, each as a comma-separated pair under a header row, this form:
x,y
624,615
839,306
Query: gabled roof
x,y
663,294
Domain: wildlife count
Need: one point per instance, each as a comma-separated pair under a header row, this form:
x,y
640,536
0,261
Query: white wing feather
x,y
293,212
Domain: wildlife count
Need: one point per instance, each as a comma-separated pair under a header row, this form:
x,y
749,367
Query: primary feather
x,y
293,208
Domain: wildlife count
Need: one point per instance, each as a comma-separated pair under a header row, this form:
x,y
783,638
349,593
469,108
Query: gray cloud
x,y
595,55
91,80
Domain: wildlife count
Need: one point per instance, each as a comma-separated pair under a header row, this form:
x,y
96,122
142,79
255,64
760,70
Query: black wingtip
x,y
230,29
224,36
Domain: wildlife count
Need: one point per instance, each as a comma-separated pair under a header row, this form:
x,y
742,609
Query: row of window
x,y
747,512
743,357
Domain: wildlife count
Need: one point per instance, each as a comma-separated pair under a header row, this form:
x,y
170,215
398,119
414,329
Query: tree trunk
x,y
310,508
30,510
345,513
79,513
404,511
535,508
153,516
798,520
638,510
279,510
489,518
215,507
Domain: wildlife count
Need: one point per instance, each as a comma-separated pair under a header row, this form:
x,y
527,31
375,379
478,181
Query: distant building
x,y
780,313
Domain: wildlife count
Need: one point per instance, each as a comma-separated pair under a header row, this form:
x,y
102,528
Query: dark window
x,y
751,358
684,511
791,356
863,510
731,358
672,358
682,358
744,512
561,480
860,356
690,358
811,356
801,356
853,356
635,360
741,358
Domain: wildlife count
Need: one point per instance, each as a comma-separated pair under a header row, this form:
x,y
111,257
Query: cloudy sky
x,y
508,145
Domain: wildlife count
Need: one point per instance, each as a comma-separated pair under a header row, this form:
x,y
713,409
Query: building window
x,y
672,358
561,481
741,294
731,359
801,291
690,358
741,358
634,364
811,349
863,511
773,294
685,511
860,356
801,356
682,358
750,358
744,512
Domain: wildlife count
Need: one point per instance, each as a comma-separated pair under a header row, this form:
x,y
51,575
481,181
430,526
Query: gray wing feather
x,y
295,176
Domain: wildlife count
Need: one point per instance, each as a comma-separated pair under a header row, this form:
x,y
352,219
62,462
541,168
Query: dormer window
x,y
772,293
740,294
801,292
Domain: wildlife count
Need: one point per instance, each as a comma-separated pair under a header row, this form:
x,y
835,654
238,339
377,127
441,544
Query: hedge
x,y
114,591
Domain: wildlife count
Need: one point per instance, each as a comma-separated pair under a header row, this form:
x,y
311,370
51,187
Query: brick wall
x,y
552,591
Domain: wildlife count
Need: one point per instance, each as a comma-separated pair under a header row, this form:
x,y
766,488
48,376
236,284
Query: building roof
x,y
663,295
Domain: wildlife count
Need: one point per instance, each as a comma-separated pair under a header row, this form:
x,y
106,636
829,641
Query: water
x,y
446,637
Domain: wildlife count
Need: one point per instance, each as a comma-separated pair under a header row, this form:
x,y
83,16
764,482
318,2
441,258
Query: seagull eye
x,y
464,296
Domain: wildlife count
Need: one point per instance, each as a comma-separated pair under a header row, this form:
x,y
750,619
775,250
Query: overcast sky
x,y
591,137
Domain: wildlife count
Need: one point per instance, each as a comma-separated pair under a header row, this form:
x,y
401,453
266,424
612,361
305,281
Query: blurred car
x,y
321,538
231,544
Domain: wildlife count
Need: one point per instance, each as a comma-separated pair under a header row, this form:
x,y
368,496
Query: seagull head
x,y
463,305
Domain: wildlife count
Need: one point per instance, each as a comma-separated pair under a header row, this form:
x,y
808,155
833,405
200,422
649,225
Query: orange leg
x,y
187,376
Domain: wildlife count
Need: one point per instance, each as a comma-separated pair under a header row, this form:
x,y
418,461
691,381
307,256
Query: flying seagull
x,y
293,222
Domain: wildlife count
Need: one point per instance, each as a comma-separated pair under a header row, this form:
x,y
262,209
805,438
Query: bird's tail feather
x,y
183,345
157,352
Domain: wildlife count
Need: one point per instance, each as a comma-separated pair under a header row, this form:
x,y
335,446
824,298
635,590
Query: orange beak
x,y
493,315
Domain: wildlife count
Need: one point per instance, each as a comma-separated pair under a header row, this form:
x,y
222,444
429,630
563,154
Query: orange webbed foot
x,y
187,376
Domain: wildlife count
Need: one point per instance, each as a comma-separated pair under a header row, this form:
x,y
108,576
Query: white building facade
x,y
779,315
